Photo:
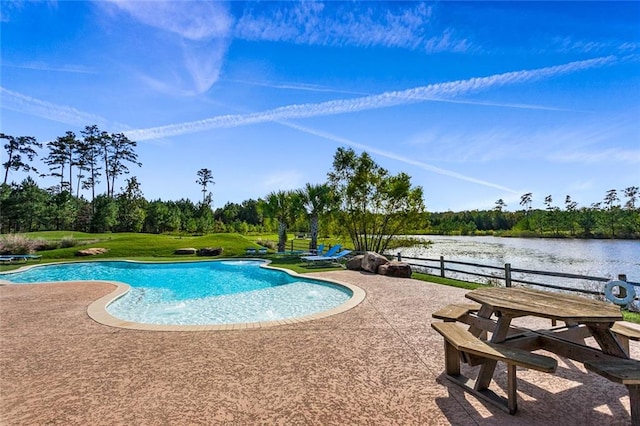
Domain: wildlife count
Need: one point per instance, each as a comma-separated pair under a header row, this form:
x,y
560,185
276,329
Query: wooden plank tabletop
x,y
560,306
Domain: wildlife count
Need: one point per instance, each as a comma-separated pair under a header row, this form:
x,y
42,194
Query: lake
x,y
599,258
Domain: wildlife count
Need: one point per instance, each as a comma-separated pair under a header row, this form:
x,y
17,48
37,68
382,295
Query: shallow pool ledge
x,y
98,311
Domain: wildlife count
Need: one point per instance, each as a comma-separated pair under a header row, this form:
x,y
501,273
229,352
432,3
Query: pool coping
x,y
97,310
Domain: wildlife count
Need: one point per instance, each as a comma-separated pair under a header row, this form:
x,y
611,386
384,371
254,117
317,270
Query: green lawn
x,y
147,247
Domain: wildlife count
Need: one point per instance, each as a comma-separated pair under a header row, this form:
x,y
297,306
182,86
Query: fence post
x,y
507,275
399,257
623,291
442,266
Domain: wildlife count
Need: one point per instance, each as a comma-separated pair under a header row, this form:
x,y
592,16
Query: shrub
x,y
18,244
272,245
68,241
398,242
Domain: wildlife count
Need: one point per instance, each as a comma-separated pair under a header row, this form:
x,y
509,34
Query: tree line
x,y
609,218
360,200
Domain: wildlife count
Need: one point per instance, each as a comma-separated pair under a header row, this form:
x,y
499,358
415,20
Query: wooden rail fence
x,y
506,273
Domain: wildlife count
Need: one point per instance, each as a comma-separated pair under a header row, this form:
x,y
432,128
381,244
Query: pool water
x,y
198,293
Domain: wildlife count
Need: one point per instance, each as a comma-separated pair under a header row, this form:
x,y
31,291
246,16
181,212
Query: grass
x,y
631,316
152,247
297,243
446,281
132,245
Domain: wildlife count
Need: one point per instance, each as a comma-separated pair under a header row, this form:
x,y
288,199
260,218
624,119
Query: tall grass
x,y
19,244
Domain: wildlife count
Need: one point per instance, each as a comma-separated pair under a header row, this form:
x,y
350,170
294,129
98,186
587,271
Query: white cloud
x,y
41,66
63,114
436,91
603,156
203,35
569,45
584,141
296,86
193,20
355,24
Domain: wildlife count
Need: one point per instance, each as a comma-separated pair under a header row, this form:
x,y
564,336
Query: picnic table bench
x,y
492,315
459,341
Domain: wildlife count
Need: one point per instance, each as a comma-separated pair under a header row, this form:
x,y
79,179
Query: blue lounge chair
x,y
333,250
326,259
330,256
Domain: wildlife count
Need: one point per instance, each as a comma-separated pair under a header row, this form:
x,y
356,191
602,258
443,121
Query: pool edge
x,y
97,310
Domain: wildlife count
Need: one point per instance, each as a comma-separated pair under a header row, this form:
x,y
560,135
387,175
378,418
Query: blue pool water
x,y
190,293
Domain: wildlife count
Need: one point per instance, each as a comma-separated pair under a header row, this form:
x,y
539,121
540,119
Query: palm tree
x,y
316,200
284,207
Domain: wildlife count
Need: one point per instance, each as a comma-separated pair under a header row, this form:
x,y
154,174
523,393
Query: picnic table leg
x,y
606,339
484,312
488,368
634,401
451,359
512,389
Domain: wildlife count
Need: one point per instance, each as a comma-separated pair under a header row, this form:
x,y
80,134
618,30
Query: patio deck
x,y
379,363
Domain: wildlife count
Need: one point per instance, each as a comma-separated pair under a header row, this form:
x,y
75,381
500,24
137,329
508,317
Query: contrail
x,y
63,114
383,100
397,157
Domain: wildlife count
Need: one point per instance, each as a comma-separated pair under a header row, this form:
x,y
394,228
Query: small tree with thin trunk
x,y
205,178
15,148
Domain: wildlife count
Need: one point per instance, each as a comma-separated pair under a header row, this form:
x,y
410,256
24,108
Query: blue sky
x,y
476,101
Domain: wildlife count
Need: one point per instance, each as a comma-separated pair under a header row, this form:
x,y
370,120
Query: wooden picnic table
x,y
595,317
582,318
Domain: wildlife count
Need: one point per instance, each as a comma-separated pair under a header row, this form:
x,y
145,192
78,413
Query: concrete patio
x,y
379,363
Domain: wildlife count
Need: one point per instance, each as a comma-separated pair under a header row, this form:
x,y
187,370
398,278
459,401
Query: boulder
x,y
210,251
355,263
371,261
395,268
189,250
91,251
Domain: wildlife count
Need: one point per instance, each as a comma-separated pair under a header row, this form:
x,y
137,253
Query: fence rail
x,y
505,273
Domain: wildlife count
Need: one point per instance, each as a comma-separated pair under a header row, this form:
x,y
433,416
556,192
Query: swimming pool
x,y
220,292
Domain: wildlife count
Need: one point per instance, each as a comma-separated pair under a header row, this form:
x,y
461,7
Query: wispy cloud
x,y
504,105
439,91
337,24
201,31
198,20
394,156
296,86
40,66
63,114
570,45
602,156
585,140
8,7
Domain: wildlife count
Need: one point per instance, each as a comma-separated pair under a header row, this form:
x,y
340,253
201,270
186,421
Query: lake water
x,y
599,258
